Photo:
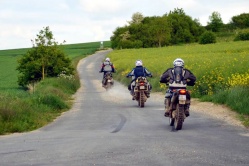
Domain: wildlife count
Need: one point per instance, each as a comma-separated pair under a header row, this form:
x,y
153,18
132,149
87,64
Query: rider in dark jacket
x,y
177,77
136,72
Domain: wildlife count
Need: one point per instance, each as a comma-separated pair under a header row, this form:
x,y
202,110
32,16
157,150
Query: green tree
x,y
45,59
119,35
207,37
241,21
156,31
160,30
136,18
184,29
215,23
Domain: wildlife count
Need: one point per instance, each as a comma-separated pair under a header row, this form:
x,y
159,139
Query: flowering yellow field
x,y
217,66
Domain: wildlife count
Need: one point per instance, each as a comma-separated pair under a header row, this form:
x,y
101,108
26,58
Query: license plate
x,y
182,97
109,81
182,101
142,87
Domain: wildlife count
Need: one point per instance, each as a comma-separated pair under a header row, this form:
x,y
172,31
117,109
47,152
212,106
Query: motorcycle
x,y
177,108
108,81
141,90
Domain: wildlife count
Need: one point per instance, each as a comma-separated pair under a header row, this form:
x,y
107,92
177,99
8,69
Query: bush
x,y
243,35
51,101
207,38
131,44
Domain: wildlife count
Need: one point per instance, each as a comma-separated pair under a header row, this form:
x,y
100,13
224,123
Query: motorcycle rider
x,y
107,66
177,77
136,72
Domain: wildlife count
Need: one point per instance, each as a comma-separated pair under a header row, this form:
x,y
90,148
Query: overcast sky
x,y
80,21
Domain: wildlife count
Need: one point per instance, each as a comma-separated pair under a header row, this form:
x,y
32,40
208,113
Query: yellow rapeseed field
x,y
217,66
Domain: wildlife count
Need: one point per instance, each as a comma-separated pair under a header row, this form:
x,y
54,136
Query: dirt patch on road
x,y
217,111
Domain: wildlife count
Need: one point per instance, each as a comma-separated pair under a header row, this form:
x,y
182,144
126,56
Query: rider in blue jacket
x,y
136,72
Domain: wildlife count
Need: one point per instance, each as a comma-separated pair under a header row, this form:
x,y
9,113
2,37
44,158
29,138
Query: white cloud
x,y
100,6
78,21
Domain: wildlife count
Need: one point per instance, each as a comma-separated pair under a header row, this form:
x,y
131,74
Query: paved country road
x,y
109,129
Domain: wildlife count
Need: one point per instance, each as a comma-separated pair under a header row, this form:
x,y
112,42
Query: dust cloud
x,y
118,93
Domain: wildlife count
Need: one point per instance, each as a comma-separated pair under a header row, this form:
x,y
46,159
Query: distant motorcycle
x,y
141,90
177,111
108,81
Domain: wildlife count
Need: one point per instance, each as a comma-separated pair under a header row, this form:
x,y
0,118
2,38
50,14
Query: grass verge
x,y
236,98
23,111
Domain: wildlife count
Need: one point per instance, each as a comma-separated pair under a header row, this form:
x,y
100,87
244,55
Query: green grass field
x,y
8,61
212,64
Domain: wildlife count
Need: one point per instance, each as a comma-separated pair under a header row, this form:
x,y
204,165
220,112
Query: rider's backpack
x,y
107,66
178,74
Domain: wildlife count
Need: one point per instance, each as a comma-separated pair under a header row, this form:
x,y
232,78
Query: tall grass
x,y
236,98
23,111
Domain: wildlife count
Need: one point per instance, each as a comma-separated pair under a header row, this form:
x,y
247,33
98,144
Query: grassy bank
x,y
23,111
28,110
221,70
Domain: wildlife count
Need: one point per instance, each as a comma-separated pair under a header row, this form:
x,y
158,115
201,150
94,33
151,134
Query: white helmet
x,y
178,62
107,59
139,63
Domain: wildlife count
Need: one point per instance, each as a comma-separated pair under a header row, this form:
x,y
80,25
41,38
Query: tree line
x,y
172,28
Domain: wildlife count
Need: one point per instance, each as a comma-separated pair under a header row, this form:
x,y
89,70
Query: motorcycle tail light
x,y
141,83
182,91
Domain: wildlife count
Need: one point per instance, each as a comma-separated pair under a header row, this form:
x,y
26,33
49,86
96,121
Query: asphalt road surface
x,y
108,129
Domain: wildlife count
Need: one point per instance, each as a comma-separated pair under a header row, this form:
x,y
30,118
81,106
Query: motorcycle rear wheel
x,y
141,99
108,86
179,118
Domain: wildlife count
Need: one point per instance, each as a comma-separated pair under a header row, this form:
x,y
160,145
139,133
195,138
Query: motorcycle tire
x,y
108,86
141,99
179,118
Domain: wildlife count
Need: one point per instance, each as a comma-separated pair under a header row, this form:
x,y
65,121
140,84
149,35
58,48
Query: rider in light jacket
x,y
177,77
107,66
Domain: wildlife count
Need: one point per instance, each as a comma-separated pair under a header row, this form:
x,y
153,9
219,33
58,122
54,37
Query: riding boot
x,y
167,107
132,93
129,87
186,109
147,94
149,90
103,82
